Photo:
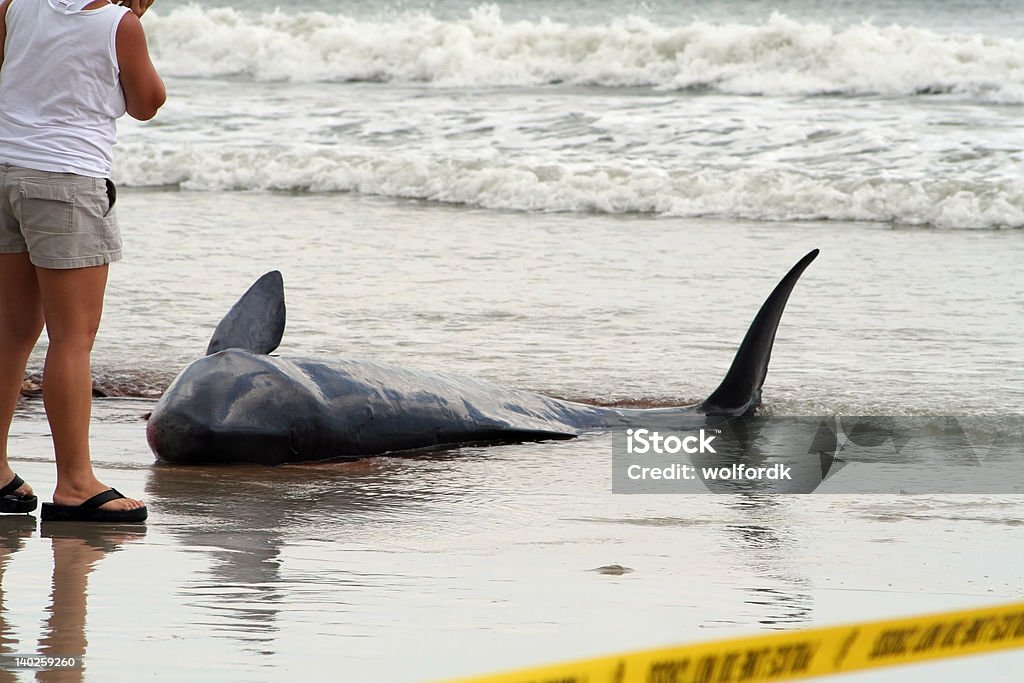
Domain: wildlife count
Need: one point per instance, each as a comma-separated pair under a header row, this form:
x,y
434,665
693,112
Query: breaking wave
x,y
768,194
780,56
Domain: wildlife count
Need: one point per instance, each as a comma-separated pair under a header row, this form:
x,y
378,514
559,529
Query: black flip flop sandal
x,y
90,511
14,503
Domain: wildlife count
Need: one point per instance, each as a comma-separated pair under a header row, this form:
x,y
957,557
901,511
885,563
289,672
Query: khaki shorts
x,y
62,220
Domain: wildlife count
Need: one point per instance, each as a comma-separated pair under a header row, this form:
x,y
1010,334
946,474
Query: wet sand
x,y
427,568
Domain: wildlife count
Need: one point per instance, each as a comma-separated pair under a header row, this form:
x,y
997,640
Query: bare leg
x,y
72,303
21,319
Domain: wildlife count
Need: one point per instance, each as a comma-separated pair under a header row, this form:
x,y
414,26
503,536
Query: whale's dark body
x,y
240,405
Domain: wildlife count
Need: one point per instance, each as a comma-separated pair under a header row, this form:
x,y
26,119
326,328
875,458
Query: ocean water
x,y
585,199
908,113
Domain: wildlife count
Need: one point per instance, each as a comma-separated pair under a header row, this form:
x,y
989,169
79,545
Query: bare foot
x,y
69,495
7,476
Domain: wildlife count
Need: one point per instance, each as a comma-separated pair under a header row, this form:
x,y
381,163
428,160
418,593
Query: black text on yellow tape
x,y
799,654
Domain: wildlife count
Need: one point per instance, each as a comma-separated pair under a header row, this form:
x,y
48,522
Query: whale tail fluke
x,y
256,322
740,391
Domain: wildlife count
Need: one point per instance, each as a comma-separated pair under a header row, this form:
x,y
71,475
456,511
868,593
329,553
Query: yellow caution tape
x,y
797,654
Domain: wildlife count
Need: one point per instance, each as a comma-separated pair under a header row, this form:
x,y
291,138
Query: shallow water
x,y
591,306
481,559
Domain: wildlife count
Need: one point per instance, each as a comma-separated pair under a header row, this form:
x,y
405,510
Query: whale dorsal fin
x,y
740,391
256,321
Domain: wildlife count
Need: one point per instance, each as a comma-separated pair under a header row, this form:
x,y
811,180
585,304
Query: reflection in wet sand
x,y
242,517
769,545
14,530
77,548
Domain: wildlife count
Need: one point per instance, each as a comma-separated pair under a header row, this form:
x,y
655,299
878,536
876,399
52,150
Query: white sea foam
x,y
780,56
749,193
267,102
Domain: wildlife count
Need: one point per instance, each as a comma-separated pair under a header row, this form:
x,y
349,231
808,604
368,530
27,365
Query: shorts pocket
x,y
45,207
111,235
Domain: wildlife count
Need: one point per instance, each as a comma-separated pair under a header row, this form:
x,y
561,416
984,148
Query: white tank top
x,y
60,96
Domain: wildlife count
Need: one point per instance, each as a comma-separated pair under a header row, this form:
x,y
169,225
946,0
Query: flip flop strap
x,y
15,484
101,498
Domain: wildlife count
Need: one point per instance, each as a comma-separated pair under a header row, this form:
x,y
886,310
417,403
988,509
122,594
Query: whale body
x,y
238,404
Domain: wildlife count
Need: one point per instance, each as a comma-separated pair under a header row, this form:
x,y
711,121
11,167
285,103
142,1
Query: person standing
x,y
68,70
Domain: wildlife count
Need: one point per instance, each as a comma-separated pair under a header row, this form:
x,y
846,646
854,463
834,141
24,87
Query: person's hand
x,y
138,7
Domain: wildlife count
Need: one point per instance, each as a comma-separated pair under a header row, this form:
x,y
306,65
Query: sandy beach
x,y
457,562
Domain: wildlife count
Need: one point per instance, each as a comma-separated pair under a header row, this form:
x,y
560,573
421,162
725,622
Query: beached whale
x,y
238,404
